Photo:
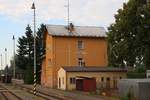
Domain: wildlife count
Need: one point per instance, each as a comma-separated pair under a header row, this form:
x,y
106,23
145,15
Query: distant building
x,y
74,47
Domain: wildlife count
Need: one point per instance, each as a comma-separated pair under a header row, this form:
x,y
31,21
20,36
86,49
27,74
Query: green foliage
x,y
40,49
28,77
129,39
25,53
136,75
129,95
138,72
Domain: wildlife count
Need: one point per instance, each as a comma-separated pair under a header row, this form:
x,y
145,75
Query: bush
x,y
129,95
140,69
28,77
139,72
136,75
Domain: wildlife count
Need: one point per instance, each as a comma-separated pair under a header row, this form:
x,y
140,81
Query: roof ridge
x,y
74,26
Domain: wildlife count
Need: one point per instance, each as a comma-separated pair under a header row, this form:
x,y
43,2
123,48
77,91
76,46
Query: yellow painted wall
x,y
94,52
63,51
47,68
96,75
43,74
66,52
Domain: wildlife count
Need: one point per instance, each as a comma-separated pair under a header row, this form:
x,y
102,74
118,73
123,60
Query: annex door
x,y
108,83
59,82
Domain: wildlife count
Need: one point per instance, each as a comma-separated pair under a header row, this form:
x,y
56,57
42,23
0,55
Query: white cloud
x,y
82,12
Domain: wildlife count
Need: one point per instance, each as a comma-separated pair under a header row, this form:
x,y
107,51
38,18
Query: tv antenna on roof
x,y
68,12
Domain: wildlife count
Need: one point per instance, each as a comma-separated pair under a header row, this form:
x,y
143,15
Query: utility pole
x,y
14,63
1,64
68,11
5,57
34,89
6,65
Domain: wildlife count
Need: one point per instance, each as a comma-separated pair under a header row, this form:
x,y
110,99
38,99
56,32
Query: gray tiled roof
x,y
85,31
93,69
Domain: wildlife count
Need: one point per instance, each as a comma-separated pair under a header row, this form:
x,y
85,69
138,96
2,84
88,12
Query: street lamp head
x,y
33,6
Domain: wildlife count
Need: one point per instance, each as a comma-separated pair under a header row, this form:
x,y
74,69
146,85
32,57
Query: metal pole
x,y
69,55
6,65
1,64
68,12
14,68
34,89
5,57
68,6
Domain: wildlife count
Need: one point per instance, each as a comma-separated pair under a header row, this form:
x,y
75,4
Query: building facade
x,y
72,46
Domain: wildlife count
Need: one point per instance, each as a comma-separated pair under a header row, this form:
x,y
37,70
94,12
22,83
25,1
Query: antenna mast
x,y
68,12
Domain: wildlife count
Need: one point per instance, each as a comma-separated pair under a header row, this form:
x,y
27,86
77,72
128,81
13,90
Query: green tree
x,y
25,54
17,69
40,49
128,38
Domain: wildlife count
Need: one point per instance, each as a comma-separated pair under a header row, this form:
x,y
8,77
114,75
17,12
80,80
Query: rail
x,y
7,94
43,95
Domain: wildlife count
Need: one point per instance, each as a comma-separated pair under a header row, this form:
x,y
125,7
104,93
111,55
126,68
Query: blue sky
x,y
16,14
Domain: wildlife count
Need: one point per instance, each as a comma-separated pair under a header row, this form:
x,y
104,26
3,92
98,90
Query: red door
x,y
79,84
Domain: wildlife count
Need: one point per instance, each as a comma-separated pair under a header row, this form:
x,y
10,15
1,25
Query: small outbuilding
x,y
89,78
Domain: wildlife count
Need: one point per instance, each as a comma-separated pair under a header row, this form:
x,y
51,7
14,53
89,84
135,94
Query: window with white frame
x,y
80,44
81,62
72,80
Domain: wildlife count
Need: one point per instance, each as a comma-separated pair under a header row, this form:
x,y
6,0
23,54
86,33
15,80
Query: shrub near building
x,y
138,72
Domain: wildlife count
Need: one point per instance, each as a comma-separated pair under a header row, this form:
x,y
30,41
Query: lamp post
x,y
5,56
34,89
6,65
14,63
1,65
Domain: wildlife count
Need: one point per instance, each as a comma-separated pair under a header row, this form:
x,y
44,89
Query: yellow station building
x,y
73,51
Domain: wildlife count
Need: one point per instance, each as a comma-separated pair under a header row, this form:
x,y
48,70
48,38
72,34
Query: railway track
x,y
7,94
45,96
